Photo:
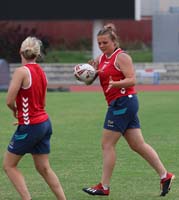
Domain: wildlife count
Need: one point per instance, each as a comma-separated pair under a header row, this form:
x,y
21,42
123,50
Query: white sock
x,y
164,176
105,187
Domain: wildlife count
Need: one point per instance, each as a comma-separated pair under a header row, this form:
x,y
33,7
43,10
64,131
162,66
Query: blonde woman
x,y
117,78
26,98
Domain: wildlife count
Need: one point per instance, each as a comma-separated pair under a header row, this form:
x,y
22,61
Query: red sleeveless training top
x,y
108,69
30,101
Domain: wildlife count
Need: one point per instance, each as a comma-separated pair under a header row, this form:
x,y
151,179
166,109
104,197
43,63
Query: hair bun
x,y
110,26
31,47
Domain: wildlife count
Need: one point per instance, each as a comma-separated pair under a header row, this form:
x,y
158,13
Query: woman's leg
x,y
136,142
109,140
10,163
43,167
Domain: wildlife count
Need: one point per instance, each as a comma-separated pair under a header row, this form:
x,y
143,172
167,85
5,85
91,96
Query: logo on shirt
x,y
25,110
104,66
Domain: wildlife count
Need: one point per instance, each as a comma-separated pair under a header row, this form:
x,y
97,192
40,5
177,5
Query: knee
x,y
6,167
136,147
106,146
42,169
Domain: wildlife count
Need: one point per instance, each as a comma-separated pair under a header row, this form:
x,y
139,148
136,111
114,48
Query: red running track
x,y
84,88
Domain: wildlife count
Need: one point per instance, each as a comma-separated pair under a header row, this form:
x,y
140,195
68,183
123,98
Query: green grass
x,y
141,55
67,56
77,120
83,56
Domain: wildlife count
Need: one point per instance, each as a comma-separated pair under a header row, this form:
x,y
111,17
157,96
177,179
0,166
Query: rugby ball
x,y
84,72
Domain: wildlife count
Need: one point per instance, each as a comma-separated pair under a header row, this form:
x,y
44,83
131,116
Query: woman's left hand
x,y
111,82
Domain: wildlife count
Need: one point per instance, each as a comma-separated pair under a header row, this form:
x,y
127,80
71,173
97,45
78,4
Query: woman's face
x,y
105,44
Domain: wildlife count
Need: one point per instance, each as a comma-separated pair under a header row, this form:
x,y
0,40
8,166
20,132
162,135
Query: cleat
x,y
97,190
165,184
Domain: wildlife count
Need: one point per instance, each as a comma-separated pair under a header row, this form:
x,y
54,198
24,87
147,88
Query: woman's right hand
x,y
93,63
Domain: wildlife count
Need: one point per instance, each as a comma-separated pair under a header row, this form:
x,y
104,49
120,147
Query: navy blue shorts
x,y
122,114
34,139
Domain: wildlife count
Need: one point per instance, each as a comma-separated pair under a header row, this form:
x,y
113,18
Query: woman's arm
x,y
124,62
15,85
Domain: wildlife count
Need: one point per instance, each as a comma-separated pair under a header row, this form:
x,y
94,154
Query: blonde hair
x,y
31,48
110,29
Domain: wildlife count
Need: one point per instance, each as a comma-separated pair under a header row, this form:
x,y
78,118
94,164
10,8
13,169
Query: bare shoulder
x,y
21,69
123,59
20,72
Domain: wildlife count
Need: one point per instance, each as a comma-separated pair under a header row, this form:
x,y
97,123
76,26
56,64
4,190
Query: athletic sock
x,y
105,187
164,176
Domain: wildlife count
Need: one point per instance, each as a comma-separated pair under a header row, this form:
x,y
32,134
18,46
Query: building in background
x,y
165,31
72,33
150,7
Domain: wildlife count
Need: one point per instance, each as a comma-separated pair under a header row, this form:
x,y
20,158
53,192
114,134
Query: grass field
x,y
77,120
143,55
